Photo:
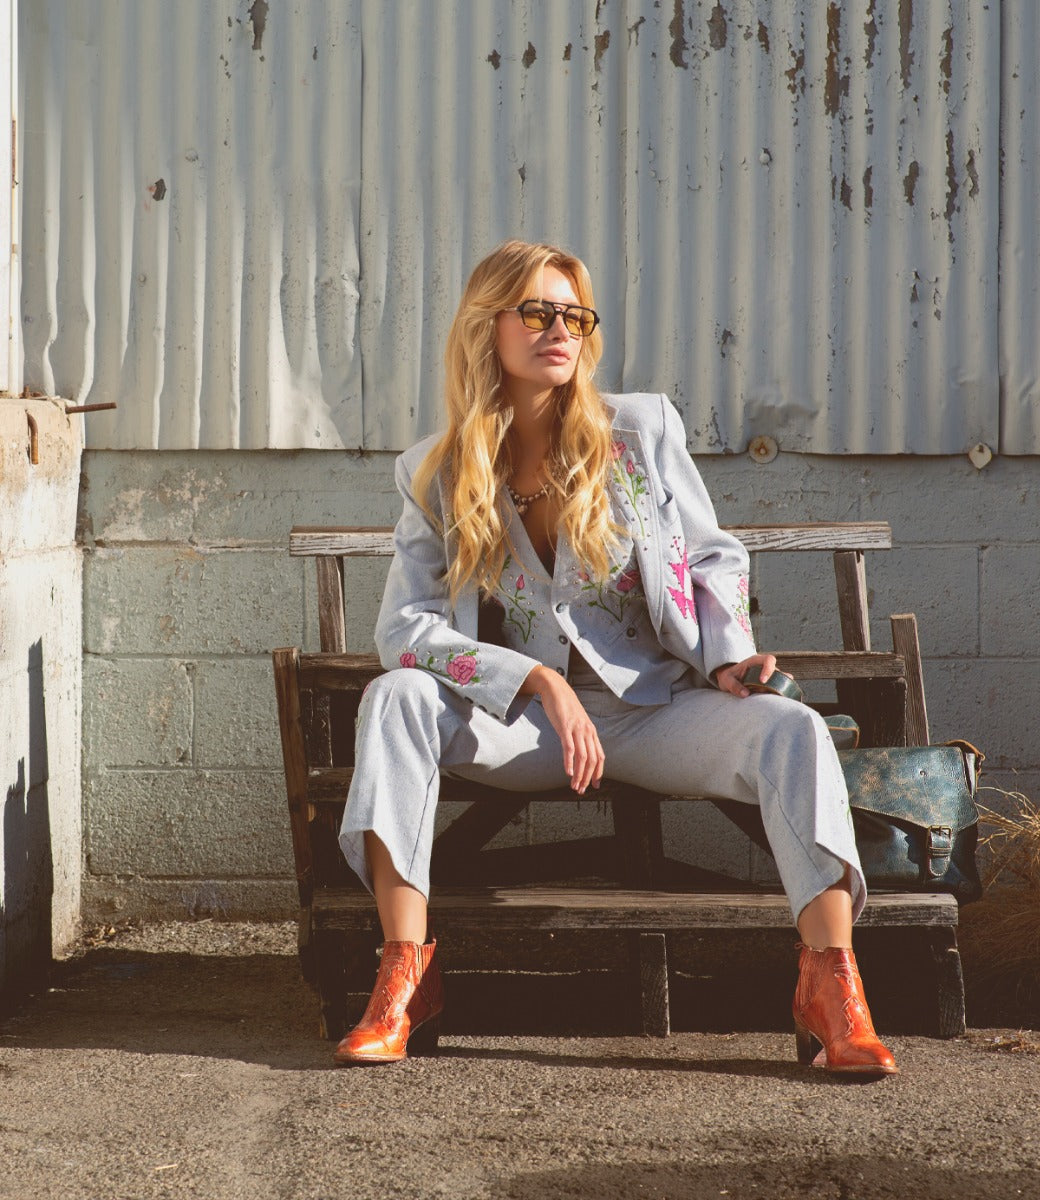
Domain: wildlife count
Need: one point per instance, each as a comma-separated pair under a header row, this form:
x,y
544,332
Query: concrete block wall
x,y
40,689
188,586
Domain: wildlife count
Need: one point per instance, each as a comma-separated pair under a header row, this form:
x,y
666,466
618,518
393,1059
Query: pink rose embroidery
x,y
408,659
627,580
463,668
520,583
630,467
617,449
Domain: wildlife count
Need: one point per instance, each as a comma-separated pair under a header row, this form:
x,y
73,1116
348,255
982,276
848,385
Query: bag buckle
x,y
940,850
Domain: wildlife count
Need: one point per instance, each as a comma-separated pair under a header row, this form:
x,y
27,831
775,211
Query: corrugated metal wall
x,y
249,222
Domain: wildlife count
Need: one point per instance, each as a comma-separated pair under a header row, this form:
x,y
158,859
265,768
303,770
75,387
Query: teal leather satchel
x,y
914,813
913,807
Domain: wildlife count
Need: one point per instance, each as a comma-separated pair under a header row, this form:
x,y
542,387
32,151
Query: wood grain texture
x,y
294,760
352,541
652,953
850,574
620,908
841,664
332,627
905,643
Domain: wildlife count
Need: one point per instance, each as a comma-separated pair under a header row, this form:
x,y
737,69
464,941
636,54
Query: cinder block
x,y
106,898
189,824
1010,608
937,583
990,702
136,712
236,716
37,501
181,601
244,497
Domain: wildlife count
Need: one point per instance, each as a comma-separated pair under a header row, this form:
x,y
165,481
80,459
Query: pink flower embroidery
x,y
742,610
408,659
463,668
681,570
520,583
616,450
630,467
627,580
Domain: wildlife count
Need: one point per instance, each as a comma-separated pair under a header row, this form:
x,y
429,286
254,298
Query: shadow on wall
x,y
28,875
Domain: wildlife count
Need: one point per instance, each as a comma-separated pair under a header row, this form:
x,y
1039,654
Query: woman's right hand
x,y
583,756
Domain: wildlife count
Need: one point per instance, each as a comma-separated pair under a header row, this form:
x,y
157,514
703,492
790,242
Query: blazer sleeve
x,y
717,561
415,626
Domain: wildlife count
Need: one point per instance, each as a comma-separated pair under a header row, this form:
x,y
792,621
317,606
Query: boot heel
x,y
423,1041
806,1044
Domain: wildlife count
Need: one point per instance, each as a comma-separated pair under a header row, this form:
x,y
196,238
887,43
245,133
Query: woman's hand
x,y
583,756
728,678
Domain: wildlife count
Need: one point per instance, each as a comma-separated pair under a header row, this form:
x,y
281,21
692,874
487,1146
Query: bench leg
x,y
950,980
653,984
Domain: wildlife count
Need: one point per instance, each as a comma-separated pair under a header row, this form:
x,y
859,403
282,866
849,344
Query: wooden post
x,y
904,642
653,984
294,758
332,622
949,978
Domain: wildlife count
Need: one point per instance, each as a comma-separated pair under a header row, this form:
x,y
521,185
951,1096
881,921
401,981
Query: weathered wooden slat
x,y
850,573
841,664
614,908
904,639
652,955
294,759
332,627
354,541
347,541
338,672
817,535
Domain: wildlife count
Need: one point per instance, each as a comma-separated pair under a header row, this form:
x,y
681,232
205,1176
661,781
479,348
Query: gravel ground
x,y
183,1061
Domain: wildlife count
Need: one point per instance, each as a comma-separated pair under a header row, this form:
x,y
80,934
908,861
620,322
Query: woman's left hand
x,y
728,678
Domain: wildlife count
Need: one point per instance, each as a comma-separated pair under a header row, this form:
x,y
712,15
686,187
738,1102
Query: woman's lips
x,y
555,356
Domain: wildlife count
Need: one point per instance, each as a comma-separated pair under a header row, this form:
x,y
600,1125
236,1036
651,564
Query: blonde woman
x,y
623,609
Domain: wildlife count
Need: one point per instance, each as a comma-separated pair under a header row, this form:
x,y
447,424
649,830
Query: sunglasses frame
x,y
561,310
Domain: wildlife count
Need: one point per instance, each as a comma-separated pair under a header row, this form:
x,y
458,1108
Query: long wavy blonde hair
x,y
474,453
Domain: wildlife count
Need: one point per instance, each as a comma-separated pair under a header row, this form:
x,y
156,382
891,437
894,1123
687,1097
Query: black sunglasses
x,y
540,314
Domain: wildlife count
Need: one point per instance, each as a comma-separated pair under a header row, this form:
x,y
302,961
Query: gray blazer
x,y
694,576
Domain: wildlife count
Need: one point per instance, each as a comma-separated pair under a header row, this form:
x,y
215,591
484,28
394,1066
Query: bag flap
x,y
923,785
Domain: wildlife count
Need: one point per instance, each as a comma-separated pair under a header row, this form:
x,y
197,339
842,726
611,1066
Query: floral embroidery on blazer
x,y
692,574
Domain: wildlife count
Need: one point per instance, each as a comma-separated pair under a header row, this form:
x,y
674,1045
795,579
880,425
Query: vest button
x,y
561,670
560,607
630,632
563,638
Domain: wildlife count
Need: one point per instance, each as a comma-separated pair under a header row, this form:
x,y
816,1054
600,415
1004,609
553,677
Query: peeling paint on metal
x,y
870,30
910,181
677,28
836,85
770,201
258,16
906,53
717,28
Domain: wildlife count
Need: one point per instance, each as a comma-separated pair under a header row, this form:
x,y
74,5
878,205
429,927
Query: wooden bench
x,y
623,882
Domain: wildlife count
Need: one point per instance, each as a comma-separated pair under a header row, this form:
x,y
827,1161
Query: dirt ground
x,y
184,1061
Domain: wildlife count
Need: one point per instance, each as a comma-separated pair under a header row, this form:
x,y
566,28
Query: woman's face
x,y
543,358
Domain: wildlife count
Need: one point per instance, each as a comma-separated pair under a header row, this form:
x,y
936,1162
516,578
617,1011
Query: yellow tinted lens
x,y
537,316
579,321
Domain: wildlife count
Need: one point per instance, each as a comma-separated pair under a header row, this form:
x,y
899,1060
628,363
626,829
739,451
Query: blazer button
x,y
560,607
561,670
630,632
563,638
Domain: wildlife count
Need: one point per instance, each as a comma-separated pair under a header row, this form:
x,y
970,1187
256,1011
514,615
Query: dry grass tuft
x,y
1014,841
1002,930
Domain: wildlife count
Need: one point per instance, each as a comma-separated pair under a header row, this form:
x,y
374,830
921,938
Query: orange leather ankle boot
x,y
830,1009
408,994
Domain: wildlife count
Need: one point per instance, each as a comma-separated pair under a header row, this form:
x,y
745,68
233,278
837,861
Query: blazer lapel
x,y
634,496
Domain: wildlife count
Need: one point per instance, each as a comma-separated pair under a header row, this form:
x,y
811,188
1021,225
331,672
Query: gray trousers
x,y
762,750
